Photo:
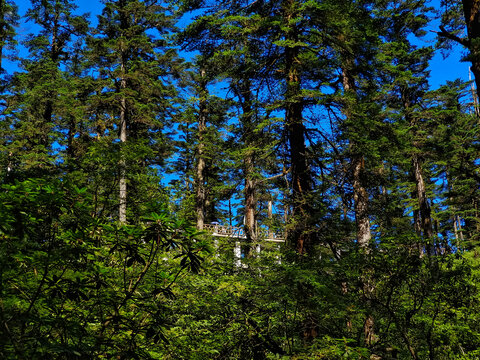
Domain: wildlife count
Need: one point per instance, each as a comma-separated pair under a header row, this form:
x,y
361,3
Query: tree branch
x,y
284,172
447,34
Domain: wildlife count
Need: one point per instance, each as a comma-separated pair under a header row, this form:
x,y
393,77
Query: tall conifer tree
x,y
8,21
136,64
406,78
455,17
37,94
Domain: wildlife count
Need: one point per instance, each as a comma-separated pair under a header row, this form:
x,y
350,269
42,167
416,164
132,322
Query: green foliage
x,y
75,286
299,106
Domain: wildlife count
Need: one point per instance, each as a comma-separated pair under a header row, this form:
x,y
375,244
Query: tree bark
x,y
360,194
471,12
424,210
201,163
244,90
250,199
471,15
360,198
122,198
271,233
301,179
422,215
423,205
54,56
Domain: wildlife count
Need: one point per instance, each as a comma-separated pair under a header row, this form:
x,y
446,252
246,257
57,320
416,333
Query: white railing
x,y
238,232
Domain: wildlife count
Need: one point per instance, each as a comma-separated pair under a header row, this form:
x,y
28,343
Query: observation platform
x,y
238,232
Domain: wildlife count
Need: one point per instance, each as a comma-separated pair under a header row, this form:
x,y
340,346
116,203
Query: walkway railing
x,y
238,232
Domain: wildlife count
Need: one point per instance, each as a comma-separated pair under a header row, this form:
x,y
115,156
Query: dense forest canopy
x,y
238,180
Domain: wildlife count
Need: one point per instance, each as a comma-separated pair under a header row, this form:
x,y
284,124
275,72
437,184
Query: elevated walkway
x,y
238,232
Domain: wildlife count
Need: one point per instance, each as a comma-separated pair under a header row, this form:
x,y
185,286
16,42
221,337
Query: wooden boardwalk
x,y
238,232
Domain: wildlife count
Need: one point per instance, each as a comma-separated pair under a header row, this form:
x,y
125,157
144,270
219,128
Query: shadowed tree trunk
x,y
471,16
471,13
249,155
422,215
301,179
423,204
360,194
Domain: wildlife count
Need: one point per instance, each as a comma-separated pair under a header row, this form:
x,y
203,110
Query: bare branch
x,y
284,172
447,34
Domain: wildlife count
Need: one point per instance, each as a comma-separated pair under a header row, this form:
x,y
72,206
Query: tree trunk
x,y
271,234
122,198
471,15
423,205
422,215
249,138
471,12
360,198
360,194
201,164
424,210
460,229
476,106
250,200
301,181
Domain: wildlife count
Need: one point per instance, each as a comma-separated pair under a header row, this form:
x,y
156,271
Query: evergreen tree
x,y
407,79
8,21
38,95
454,17
324,104
453,151
136,66
238,59
201,159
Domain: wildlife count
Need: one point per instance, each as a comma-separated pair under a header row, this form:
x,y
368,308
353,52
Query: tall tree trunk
x,y
422,215
360,198
250,200
250,191
301,180
459,228
122,198
471,12
476,105
51,93
200,199
423,205
424,209
360,194
271,233
471,15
